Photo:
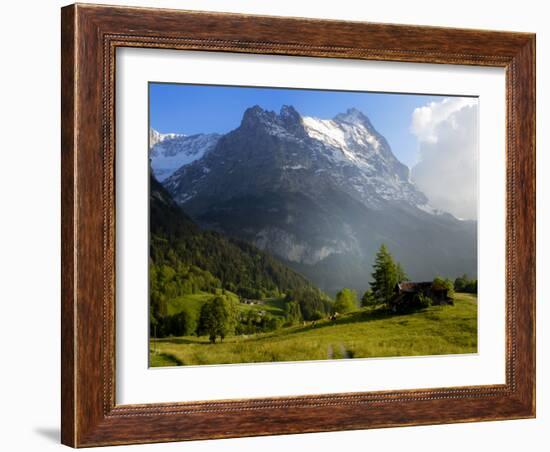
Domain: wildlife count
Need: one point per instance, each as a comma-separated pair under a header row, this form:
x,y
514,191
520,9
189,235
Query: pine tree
x,y
293,313
368,299
385,276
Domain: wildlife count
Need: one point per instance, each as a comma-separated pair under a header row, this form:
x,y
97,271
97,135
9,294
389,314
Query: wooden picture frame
x,y
90,36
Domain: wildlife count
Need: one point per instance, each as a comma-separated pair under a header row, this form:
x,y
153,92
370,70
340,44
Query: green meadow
x,y
363,333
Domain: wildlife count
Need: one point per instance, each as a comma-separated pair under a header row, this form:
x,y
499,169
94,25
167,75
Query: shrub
x,y
444,283
317,315
251,322
464,284
183,323
422,301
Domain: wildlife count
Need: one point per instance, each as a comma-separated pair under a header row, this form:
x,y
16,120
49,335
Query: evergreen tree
x,y
385,276
311,302
293,313
368,299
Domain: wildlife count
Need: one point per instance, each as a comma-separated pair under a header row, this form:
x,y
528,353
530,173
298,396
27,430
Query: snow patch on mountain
x,y
325,130
169,152
294,167
157,137
349,139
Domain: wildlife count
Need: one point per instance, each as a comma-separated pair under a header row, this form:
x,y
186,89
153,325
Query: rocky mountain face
x,y
321,195
170,151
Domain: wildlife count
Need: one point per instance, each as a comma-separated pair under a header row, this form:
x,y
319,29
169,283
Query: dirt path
x,y
345,353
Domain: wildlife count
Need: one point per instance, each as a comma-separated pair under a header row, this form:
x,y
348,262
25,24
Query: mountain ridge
x,y
170,151
322,195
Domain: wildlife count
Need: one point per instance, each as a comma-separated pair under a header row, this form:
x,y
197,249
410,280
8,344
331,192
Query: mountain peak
x,y
156,137
255,115
291,120
169,151
254,110
287,123
353,116
288,111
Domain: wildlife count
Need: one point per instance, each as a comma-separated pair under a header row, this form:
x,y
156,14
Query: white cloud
x,y
447,161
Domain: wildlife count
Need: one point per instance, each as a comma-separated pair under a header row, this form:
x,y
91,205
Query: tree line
x,y
465,284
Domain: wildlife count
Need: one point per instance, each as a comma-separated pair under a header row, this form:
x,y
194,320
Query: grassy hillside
x,y
194,302
361,334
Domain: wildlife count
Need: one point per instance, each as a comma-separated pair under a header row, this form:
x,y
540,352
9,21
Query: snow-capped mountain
x,y
350,140
156,137
347,148
170,151
322,195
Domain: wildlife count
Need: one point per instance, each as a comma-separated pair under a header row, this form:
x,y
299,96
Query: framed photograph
x,y
282,225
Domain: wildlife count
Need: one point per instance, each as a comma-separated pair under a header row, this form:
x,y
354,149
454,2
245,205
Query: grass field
x,y
194,302
361,334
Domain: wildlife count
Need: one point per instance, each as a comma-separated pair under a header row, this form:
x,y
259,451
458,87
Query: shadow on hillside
x,y
359,317
354,317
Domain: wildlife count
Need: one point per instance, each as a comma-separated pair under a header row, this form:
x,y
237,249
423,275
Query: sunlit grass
x,y
362,334
193,302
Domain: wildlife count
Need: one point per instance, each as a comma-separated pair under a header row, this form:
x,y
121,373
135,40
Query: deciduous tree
x,y
346,301
444,283
217,318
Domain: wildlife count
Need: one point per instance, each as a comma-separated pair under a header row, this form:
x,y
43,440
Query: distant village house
x,y
251,301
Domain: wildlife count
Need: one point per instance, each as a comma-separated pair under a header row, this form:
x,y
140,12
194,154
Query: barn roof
x,y
413,287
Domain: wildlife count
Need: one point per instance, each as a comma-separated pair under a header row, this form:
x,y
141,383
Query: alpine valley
x,y
319,195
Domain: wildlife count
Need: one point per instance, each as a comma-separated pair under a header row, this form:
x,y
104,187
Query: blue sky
x,y
190,109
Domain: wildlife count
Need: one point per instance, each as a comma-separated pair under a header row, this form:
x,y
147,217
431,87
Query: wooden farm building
x,y
251,301
407,293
